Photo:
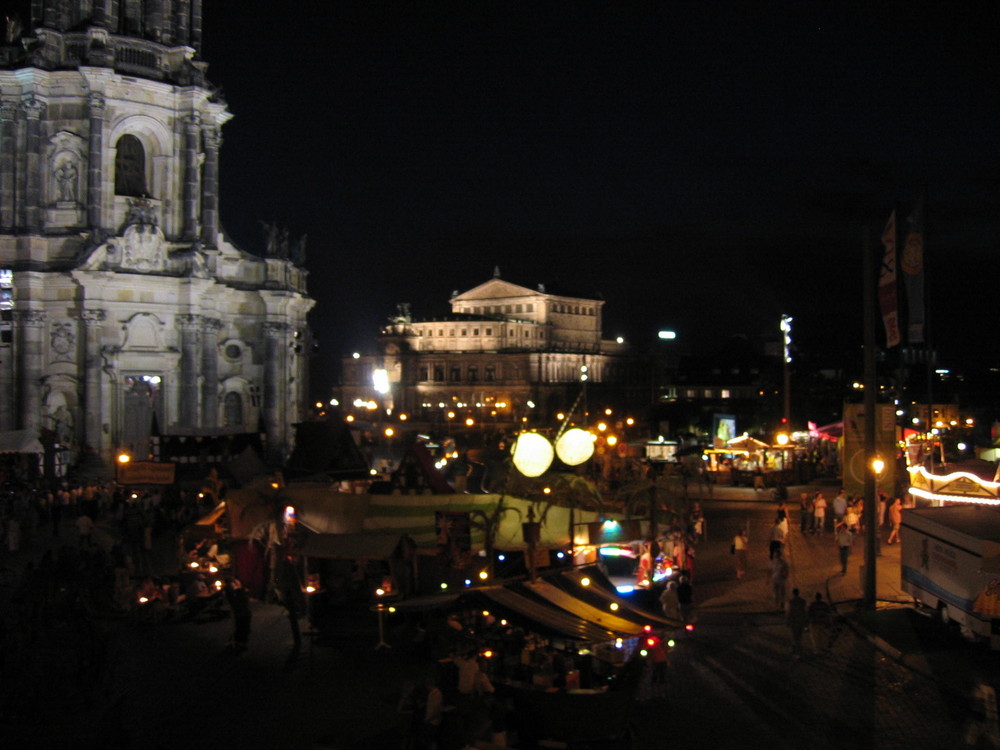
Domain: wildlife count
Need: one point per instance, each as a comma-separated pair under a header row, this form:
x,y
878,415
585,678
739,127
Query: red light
x,y
650,641
689,627
647,628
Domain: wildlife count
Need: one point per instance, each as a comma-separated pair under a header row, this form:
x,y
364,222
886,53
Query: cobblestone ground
x,y
735,680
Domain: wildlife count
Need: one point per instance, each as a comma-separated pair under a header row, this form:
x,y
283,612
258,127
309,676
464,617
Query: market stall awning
x,y
546,616
601,589
20,441
351,546
605,618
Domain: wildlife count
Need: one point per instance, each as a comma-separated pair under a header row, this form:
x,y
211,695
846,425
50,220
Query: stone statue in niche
x,y
66,181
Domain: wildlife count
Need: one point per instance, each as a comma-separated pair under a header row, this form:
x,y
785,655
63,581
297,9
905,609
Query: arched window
x,y
130,167
233,410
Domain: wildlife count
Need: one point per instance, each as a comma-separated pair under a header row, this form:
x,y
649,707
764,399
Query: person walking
x,y
797,619
820,617
239,605
845,540
895,520
779,578
805,512
741,548
839,507
819,513
779,532
668,601
685,601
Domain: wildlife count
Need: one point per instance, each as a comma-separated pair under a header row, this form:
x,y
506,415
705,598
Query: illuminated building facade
x,y
506,352
129,306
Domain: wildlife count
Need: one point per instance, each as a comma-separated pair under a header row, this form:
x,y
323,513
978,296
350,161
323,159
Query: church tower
x,y
125,308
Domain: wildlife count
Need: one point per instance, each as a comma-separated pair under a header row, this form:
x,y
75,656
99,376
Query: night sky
x,y
701,166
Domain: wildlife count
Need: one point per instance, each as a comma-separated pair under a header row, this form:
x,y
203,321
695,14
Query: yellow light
x,y
547,491
602,426
584,581
607,412
389,432
193,564
575,446
444,586
392,609
403,417
532,454
275,485
310,589
614,606
560,416
143,600
124,458
488,654
782,439
630,421
451,415
212,569
319,404
469,422
349,418
486,613
612,440
878,465
483,575
379,592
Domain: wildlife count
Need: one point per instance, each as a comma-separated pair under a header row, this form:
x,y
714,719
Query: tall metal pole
x,y
871,388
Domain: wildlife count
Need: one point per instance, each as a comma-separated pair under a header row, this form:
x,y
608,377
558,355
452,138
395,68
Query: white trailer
x,y
950,562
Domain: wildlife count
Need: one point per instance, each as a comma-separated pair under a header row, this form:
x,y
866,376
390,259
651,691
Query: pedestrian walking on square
x,y
819,513
895,520
85,525
805,512
820,617
839,508
741,548
844,540
779,578
685,600
797,619
668,601
779,532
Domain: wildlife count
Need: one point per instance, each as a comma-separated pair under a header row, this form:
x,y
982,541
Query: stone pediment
x,y
496,289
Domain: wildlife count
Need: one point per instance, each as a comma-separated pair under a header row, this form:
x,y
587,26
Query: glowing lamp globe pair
x,y
533,453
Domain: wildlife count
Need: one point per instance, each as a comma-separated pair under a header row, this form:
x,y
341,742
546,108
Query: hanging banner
x,y
146,472
887,298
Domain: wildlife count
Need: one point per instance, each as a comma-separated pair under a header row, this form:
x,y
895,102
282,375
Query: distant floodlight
x,y
667,335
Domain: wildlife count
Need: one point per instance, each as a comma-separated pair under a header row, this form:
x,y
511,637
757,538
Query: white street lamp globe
x,y
575,446
532,454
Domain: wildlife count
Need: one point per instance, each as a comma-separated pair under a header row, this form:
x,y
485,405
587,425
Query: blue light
x,y
468,582
625,589
501,558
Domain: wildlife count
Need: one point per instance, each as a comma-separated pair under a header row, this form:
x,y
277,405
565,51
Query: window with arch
x,y
233,410
130,167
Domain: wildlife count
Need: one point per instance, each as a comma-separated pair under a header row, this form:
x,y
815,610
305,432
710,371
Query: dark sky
x,y
703,166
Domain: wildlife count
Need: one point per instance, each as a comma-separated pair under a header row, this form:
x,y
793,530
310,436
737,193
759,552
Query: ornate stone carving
x,y
62,338
97,103
275,330
30,318
93,318
33,107
189,323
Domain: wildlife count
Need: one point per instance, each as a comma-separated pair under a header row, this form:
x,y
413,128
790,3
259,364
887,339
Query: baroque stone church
x,y
125,308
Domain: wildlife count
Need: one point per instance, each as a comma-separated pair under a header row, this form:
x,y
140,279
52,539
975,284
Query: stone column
x,y
8,126
33,108
190,328
181,13
98,16
196,25
93,320
154,19
275,339
31,327
95,169
210,328
192,134
210,186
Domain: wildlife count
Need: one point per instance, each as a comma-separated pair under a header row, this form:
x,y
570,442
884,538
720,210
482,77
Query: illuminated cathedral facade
x,y
125,308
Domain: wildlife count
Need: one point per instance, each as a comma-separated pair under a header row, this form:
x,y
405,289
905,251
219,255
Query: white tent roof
x,y
20,441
